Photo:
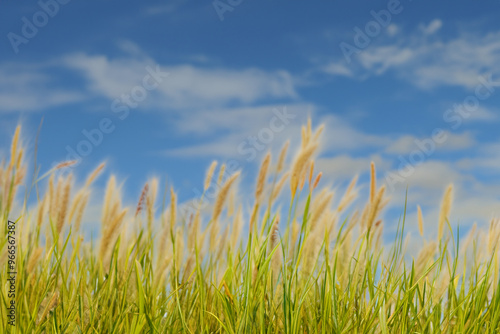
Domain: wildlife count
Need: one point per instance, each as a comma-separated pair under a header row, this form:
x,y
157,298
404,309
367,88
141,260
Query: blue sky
x,y
411,85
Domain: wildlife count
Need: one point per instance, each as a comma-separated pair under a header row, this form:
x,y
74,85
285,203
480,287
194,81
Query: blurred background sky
x,y
164,87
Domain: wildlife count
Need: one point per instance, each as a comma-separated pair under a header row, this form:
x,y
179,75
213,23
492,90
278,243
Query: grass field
x,y
318,268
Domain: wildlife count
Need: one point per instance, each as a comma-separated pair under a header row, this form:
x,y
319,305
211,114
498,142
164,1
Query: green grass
x,y
315,270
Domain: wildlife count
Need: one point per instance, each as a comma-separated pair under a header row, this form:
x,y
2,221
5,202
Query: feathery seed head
x,y
445,210
282,157
221,197
209,175
420,221
261,180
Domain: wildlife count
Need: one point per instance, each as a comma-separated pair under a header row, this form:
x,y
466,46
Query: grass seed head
x,y
445,210
209,175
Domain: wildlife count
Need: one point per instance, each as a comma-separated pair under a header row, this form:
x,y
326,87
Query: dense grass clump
x,y
318,268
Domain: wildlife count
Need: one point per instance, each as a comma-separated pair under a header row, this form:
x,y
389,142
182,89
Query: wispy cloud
x,y
426,59
26,87
345,166
238,132
408,143
188,86
432,27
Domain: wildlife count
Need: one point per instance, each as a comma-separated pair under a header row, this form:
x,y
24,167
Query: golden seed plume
x,y
303,179
51,194
294,237
19,178
41,211
304,137
94,174
81,209
222,244
373,182
142,199
323,203
151,200
309,126
179,248
109,233
261,179
237,225
299,165
194,231
253,217
274,233
209,175
470,236
65,164
318,132
420,221
311,172
282,157
375,207
445,210
165,233
231,202
221,197
214,230
55,203
173,208
110,188
352,184
19,158
15,141
274,241
54,300
294,183
74,204
227,292
316,181
279,186
63,209
493,236
349,196
221,174
188,269
425,256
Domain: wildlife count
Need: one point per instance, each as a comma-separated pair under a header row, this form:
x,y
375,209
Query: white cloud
x,y
26,88
342,136
487,157
427,60
161,9
379,59
484,114
234,126
167,8
345,166
432,27
338,69
228,132
392,29
408,143
431,174
187,86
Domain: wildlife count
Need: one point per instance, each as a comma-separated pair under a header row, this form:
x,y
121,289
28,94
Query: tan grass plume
x,y
445,210
299,165
261,179
420,221
221,197
282,157
210,173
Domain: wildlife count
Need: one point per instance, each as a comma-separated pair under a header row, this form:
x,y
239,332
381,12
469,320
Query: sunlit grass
x,y
304,266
